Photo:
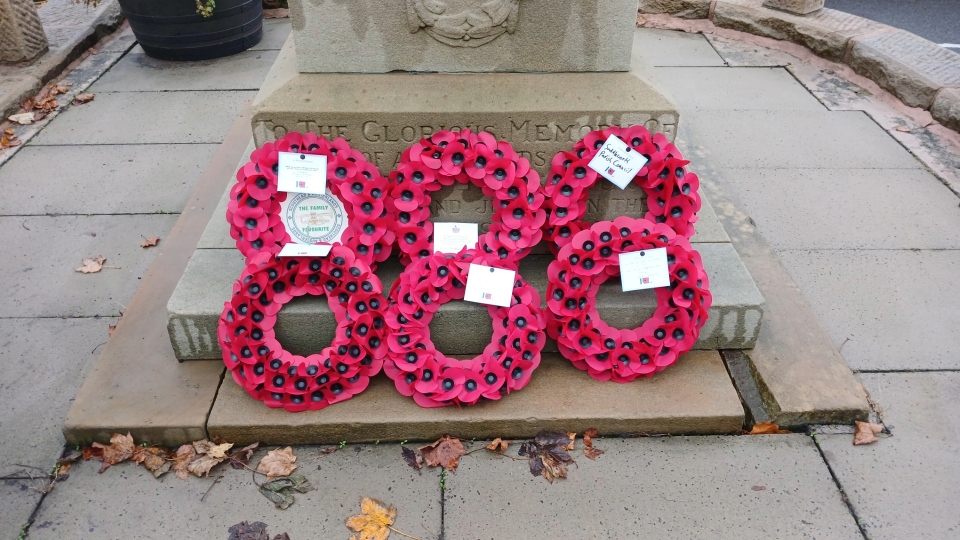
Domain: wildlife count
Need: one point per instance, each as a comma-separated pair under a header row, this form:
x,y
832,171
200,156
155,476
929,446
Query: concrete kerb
x,y
918,72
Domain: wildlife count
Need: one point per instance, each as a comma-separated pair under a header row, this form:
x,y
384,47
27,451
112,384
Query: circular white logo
x,y
311,218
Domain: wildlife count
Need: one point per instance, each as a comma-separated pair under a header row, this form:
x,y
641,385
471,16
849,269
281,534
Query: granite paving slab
x,y
42,364
905,486
849,208
37,272
710,88
137,72
140,506
693,396
668,48
757,487
884,309
121,118
792,139
102,179
18,498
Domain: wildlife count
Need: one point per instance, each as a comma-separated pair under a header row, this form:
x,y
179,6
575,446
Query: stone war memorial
x,y
463,268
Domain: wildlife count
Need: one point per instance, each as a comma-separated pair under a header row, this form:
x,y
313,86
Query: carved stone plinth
x,y
378,36
383,114
800,7
21,34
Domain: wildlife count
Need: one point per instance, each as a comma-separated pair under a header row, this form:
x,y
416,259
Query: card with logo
x,y
302,173
489,285
645,269
312,218
617,162
305,250
452,237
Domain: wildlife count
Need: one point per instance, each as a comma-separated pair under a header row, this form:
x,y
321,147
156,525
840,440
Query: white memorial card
x,y
452,237
302,173
305,250
644,269
489,285
617,162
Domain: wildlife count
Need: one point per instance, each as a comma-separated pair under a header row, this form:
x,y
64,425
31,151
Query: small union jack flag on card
x,y
301,184
487,296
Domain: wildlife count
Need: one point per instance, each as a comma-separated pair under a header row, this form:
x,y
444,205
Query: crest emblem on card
x,y
314,218
455,229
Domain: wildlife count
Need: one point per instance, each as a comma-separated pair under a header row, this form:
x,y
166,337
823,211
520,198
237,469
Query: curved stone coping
x,y
919,72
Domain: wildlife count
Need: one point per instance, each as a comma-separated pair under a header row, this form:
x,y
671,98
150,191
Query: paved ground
x,y
867,232
935,20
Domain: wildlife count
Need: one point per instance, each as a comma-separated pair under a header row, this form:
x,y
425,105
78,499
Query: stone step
x,y
695,396
306,324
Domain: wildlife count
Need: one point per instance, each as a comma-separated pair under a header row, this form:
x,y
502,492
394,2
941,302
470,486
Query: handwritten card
x,y
617,162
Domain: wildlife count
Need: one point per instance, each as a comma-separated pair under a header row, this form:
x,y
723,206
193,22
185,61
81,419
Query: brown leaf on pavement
x,y
181,460
573,441
759,488
412,458
592,453
278,462
548,454
866,433
90,452
150,242
28,104
374,520
202,465
24,119
7,141
47,104
83,98
498,445
242,456
588,437
92,265
767,428
151,457
445,452
119,449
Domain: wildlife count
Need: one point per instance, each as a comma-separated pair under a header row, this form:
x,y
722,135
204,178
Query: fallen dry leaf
x,y
28,104
47,104
278,13
767,428
902,129
83,98
181,460
7,141
866,433
412,458
279,462
111,329
588,437
8,132
548,454
498,445
24,119
759,488
93,265
150,242
151,457
592,453
374,520
445,452
240,458
202,465
120,449
573,441
90,452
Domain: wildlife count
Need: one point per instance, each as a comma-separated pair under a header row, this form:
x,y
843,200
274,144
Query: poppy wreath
x,y
672,191
447,157
418,369
279,378
254,209
588,260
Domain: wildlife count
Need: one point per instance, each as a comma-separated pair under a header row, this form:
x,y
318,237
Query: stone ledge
x,y
913,69
825,32
946,108
695,396
306,324
908,66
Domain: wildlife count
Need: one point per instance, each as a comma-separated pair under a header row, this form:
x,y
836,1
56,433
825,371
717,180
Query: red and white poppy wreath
x,y
254,209
418,369
279,378
447,157
588,259
671,190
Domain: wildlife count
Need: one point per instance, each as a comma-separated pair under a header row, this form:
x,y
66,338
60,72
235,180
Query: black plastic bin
x,y
172,29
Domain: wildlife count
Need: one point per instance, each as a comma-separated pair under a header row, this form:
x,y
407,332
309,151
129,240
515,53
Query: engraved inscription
x,y
463,23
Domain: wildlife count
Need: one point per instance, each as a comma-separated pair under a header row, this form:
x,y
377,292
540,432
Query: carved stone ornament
x,y
463,23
